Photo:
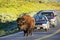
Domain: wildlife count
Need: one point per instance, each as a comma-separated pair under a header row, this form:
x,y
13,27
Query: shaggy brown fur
x,y
26,23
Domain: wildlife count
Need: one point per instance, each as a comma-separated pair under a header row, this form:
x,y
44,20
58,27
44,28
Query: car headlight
x,y
52,20
44,26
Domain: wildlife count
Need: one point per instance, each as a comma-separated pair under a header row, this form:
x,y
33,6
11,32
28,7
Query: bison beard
x,y
28,26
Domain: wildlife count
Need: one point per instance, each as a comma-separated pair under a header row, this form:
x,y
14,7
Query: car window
x,y
48,14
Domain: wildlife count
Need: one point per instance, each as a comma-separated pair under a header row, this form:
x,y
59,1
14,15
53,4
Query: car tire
x,y
46,30
53,25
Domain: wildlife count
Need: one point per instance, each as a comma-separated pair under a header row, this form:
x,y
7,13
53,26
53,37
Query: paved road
x,y
52,34
55,37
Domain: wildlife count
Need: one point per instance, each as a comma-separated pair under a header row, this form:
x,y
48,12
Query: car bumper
x,y
53,23
40,27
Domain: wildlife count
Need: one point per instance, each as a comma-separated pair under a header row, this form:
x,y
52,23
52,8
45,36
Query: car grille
x,y
38,24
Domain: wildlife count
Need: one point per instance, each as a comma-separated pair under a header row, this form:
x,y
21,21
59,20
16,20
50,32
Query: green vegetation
x,y
13,8
4,33
8,28
10,10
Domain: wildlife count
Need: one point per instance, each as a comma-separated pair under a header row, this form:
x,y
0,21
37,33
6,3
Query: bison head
x,y
21,23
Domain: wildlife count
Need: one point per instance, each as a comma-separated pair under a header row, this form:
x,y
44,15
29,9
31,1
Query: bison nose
x,y
41,27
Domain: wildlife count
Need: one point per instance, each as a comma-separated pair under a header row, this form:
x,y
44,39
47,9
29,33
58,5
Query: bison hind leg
x,y
30,32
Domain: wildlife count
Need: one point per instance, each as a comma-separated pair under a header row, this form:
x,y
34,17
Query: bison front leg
x,y
25,33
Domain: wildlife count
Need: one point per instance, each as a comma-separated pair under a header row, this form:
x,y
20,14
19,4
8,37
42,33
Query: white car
x,y
51,15
41,22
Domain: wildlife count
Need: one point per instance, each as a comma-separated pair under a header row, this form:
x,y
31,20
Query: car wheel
x,y
46,30
53,25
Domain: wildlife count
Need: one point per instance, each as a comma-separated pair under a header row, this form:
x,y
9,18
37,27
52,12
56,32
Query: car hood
x,y
41,22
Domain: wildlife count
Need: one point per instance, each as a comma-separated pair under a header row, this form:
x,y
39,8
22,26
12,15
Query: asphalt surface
x,y
52,34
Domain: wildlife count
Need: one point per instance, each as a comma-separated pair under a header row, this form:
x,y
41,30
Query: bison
x,y
26,23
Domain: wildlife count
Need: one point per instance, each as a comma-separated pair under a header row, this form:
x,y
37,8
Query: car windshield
x,y
39,17
48,14
42,19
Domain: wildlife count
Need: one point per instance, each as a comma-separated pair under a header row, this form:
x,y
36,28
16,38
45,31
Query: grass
x,y
4,33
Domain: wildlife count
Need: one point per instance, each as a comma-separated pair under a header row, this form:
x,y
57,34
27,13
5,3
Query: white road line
x,y
47,36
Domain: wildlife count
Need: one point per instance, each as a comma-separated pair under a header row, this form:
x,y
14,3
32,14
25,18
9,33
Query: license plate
x,y
38,27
